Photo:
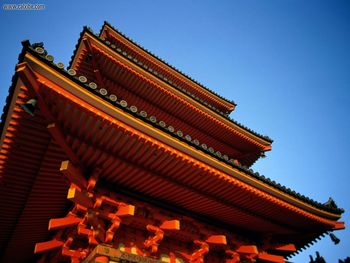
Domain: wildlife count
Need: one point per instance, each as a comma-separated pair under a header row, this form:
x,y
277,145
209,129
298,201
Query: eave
x,y
254,203
111,33
189,153
250,139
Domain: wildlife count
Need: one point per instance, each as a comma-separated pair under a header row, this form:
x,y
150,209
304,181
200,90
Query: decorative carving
x,y
94,216
152,242
232,256
198,255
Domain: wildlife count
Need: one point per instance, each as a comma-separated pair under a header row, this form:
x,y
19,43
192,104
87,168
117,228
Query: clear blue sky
x,y
286,63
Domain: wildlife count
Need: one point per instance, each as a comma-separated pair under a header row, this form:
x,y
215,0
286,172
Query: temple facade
x,y
120,157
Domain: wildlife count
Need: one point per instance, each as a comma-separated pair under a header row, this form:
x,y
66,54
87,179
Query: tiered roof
x,y
141,85
83,116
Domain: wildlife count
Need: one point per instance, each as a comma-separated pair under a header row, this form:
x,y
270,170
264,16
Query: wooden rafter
x,y
95,67
29,79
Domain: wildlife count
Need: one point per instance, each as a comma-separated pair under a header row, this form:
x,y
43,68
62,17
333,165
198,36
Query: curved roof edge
x,y
106,23
329,206
87,29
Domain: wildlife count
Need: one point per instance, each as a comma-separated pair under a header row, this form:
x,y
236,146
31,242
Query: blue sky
x,y
286,63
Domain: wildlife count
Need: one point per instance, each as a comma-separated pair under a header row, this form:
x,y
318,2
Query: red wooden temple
x,y
123,158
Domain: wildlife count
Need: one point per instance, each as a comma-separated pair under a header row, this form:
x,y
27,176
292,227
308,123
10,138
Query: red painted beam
x,y
48,245
58,136
339,226
73,174
170,225
78,197
217,239
286,248
247,250
125,210
74,254
57,223
94,62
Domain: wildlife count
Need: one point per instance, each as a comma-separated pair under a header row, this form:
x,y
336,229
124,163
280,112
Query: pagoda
x,y
123,158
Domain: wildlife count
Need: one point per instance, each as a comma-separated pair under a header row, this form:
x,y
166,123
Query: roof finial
x,y
330,203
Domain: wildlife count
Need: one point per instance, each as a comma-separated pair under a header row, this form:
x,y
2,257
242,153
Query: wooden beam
x,y
217,239
92,181
57,223
78,197
72,253
339,226
170,225
125,210
73,174
29,79
95,66
285,248
48,245
82,230
247,250
58,136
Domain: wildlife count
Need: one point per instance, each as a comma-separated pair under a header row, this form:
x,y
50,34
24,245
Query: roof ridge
x,y
166,63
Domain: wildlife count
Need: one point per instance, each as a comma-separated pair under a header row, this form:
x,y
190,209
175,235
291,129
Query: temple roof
x,y
132,59
103,131
327,206
110,66
106,24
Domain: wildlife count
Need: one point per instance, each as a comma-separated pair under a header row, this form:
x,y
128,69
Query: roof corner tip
x,y
87,28
332,205
106,23
25,43
267,138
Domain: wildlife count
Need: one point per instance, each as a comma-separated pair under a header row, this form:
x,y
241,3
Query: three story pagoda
x,y
123,158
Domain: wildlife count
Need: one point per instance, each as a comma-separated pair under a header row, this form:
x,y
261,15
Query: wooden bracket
x,y
95,66
48,245
233,257
73,174
79,197
250,249
170,225
217,239
339,226
285,248
58,223
152,242
198,255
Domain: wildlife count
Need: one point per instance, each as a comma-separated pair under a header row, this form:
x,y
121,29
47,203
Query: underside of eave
x,y
34,190
20,229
